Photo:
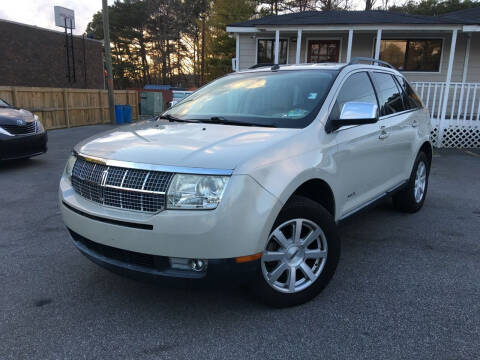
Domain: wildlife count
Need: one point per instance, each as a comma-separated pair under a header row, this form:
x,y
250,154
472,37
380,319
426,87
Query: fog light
x,y
198,264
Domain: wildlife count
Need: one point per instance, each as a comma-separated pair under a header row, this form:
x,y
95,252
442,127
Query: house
x,y
440,55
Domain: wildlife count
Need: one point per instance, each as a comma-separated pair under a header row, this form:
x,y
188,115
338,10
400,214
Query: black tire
x,y
404,200
301,207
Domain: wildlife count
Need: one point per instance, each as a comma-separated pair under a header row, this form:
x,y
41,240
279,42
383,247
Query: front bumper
x,y
239,226
22,146
154,267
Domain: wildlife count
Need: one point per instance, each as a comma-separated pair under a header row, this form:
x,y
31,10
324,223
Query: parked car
x,y
177,96
21,133
249,176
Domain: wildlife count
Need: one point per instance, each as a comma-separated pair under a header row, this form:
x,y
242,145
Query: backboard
x,y
61,14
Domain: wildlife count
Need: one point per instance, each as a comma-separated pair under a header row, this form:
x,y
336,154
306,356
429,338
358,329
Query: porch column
x,y
467,56
349,47
377,44
237,53
447,86
299,46
277,45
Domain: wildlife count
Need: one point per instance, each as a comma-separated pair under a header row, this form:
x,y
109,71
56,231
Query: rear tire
x,y
308,255
411,198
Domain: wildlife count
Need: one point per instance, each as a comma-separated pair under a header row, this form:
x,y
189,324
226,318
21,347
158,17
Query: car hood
x,y
212,146
9,116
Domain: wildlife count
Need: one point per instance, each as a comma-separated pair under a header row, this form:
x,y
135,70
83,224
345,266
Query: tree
x,y
433,7
150,40
220,45
270,7
301,5
369,4
277,7
129,44
327,5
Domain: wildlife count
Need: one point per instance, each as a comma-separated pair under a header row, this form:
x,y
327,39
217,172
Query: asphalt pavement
x,y
407,286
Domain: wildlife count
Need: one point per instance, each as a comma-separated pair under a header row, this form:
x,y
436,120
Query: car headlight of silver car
x,y
196,191
40,127
69,167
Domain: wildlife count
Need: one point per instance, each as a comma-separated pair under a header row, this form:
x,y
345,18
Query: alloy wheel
x,y
420,181
295,255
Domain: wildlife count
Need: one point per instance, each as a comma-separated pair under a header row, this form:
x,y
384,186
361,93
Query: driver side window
x,y
357,88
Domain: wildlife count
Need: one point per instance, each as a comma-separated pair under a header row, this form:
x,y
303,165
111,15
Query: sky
x,y
40,12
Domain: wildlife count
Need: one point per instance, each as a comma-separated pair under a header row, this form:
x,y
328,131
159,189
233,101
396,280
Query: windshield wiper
x,y
222,120
173,118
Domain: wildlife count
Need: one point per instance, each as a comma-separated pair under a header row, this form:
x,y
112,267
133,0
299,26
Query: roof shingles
x,y
353,18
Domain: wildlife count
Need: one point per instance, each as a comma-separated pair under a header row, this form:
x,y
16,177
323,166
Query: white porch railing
x,y
460,126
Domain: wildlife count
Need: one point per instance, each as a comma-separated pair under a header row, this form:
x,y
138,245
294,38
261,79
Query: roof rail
x,y
256,66
357,60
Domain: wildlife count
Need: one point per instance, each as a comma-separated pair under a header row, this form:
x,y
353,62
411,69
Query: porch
x,y
444,68
459,125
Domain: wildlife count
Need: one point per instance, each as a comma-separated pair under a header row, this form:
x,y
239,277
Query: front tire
x,y
411,198
301,255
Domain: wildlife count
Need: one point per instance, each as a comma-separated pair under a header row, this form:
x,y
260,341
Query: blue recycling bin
x,y
127,114
119,114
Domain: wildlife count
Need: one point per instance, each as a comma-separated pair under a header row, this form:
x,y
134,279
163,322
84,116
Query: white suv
x,y
249,175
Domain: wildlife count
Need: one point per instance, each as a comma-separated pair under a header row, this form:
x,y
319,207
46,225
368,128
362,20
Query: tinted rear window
x,y
411,99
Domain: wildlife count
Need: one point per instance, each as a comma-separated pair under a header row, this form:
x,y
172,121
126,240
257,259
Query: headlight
x,y
196,191
69,167
40,127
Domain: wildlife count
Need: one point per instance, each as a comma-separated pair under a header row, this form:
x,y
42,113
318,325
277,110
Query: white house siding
x,y
473,74
362,44
247,51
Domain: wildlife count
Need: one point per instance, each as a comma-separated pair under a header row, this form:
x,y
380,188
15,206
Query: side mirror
x,y
354,113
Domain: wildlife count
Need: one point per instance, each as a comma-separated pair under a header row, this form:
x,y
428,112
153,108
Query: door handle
x,y
415,123
383,133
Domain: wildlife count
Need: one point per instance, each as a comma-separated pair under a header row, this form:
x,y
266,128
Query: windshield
x,y
288,98
3,103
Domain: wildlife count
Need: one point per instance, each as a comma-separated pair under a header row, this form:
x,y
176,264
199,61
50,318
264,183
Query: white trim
x,y
418,37
467,58
349,46
299,46
414,27
234,29
237,52
447,85
471,28
407,27
324,38
270,38
377,44
276,47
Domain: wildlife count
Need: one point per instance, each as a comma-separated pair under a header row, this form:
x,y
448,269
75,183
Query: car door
x,y
359,159
416,120
397,133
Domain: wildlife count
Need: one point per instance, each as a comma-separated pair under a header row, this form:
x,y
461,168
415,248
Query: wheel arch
x,y
427,149
319,191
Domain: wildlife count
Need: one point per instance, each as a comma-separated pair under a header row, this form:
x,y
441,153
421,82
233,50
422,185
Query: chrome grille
x,y
28,128
131,189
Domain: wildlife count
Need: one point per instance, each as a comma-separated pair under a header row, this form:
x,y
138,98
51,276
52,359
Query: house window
x,y
412,54
266,51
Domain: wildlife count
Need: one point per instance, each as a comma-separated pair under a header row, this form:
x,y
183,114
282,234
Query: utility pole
x,y
108,61
202,69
